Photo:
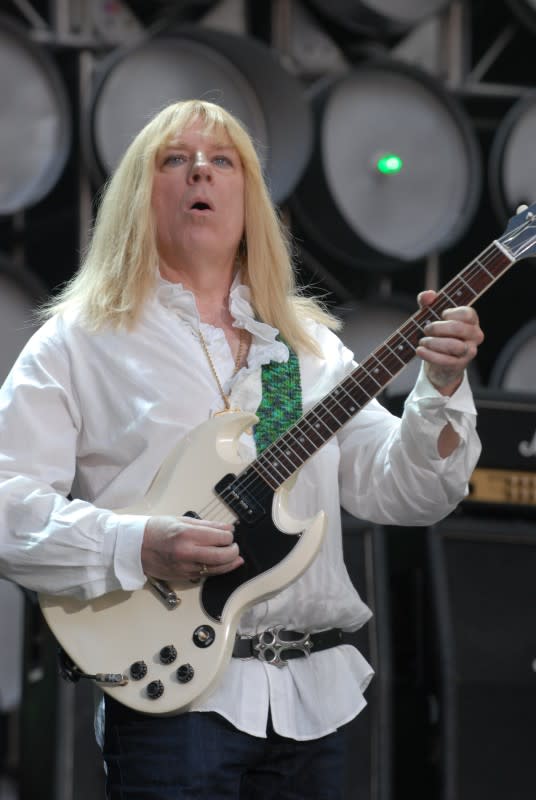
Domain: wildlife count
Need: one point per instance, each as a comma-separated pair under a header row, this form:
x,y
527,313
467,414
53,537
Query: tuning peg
x,y
521,208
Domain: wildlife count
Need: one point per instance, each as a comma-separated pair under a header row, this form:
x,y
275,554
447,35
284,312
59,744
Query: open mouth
x,y
200,206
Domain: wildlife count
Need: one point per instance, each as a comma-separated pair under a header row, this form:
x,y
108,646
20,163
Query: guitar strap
x,y
281,404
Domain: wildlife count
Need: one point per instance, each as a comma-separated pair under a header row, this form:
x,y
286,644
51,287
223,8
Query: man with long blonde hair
x,y
183,318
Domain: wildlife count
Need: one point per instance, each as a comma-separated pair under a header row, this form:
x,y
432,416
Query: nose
x,y
200,167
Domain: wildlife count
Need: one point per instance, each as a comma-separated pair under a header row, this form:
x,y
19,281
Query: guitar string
x,y
485,259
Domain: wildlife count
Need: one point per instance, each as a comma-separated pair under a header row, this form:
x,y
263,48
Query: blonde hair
x,y
119,268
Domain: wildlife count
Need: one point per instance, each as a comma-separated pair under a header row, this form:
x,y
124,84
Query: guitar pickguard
x,y
262,546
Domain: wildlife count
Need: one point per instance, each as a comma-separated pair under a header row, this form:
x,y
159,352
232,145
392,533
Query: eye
x,y
222,161
175,158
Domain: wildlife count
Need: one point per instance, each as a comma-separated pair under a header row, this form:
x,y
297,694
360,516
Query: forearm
x,y
53,545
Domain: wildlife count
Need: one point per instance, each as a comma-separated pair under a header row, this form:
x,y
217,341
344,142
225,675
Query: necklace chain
x,y
237,364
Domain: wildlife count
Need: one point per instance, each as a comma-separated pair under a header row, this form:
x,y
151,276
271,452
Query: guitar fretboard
x,y
293,448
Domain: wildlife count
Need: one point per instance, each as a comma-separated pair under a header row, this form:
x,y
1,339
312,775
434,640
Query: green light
x,y
389,164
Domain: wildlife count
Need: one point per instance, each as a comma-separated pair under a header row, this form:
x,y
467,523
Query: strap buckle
x,y
270,645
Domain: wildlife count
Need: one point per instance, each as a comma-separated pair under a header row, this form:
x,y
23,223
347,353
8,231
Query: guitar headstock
x,y
520,236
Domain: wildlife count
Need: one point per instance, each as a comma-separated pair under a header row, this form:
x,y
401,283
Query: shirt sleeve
x,y
49,543
390,468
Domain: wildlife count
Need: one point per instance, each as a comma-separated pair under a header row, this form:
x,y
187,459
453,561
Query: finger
x,y
443,351
426,297
453,328
205,537
463,313
195,522
195,530
215,556
221,569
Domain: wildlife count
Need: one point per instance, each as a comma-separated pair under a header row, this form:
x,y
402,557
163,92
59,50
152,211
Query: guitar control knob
x,y
204,635
185,673
155,689
138,670
168,654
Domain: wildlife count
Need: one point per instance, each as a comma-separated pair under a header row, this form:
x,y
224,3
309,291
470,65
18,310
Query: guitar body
x,y
112,632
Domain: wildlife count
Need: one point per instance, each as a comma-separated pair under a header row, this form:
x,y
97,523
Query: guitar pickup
x,y
241,500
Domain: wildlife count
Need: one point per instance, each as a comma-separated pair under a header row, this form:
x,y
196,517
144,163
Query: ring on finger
x,y
203,570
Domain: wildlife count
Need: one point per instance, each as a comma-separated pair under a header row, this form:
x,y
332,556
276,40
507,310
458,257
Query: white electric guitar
x,y
163,647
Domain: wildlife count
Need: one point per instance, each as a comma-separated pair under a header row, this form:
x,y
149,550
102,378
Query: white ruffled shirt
x,y
94,416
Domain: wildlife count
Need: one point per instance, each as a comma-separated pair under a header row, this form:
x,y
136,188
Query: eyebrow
x,y
182,145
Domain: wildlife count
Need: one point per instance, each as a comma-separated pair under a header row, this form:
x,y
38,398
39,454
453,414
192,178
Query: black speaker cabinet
x,y
483,583
58,755
369,760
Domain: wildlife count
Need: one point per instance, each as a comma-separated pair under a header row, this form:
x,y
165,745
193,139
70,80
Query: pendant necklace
x,y
237,365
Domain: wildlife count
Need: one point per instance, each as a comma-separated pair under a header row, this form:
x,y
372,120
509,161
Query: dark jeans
x,y
201,755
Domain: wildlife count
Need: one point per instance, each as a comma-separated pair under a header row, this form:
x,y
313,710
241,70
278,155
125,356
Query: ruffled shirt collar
x,y
265,347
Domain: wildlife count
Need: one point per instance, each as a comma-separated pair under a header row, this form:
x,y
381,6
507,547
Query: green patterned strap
x,y
281,404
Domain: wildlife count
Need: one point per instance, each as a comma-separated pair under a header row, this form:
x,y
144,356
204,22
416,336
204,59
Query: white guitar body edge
x,y
113,631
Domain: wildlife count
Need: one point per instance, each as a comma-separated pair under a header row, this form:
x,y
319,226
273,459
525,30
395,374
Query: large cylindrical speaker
x,y
35,134
512,171
482,577
377,17
369,766
20,291
515,367
59,758
11,632
237,72
11,656
395,173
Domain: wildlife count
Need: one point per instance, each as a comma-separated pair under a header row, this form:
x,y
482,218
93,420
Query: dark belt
x,y
272,643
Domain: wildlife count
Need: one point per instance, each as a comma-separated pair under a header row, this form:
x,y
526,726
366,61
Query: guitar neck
x,y
302,440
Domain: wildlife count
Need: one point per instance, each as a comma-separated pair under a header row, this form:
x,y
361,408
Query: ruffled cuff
x,y
427,412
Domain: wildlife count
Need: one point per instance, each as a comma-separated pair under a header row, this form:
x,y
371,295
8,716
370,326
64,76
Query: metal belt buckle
x,y
270,646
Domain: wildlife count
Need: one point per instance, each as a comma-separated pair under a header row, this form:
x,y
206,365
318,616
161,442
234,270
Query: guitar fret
x,y
395,354
325,407
433,312
320,421
383,380
346,395
357,385
278,461
468,286
302,438
484,268
343,403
